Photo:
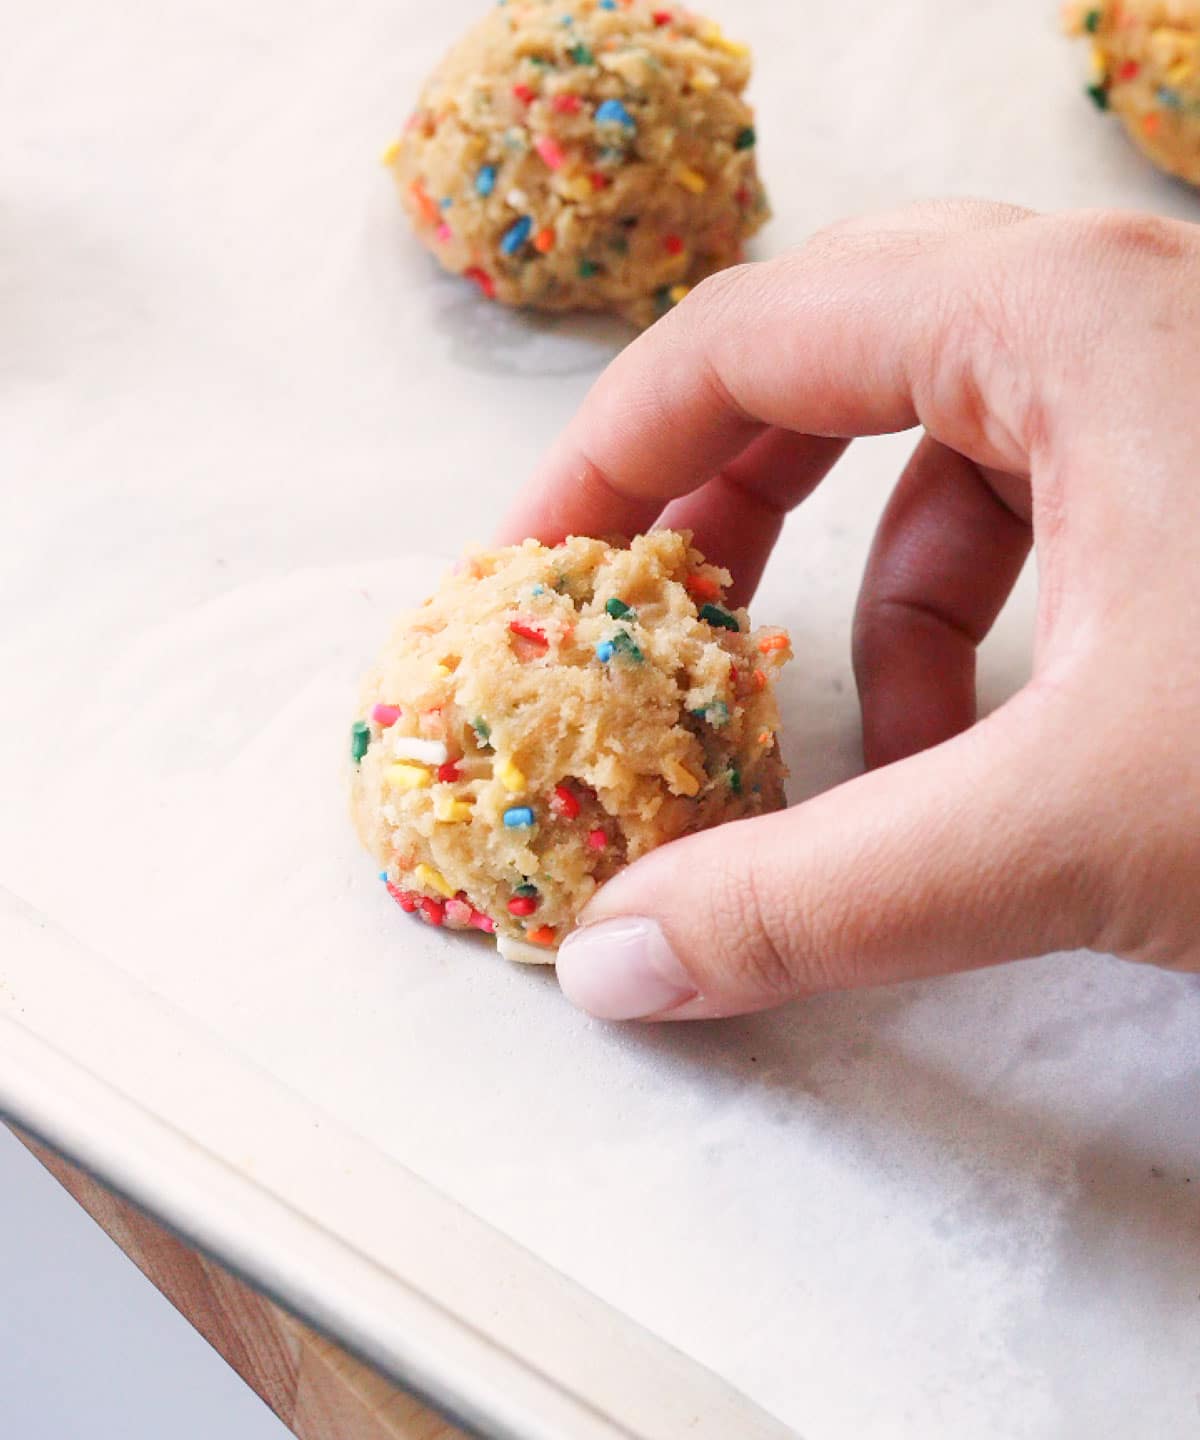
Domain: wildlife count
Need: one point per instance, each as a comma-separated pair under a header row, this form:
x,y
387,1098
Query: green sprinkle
x,y
360,740
483,731
722,618
734,776
581,55
527,891
745,139
662,299
1091,21
537,60
624,642
1099,94
617,608
587,268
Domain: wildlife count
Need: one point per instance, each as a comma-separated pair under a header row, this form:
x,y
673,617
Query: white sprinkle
x,y
427,752
517,199
523,952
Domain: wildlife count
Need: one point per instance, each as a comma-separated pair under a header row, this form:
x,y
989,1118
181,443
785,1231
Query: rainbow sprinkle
x,y
516,235
718,617
612,112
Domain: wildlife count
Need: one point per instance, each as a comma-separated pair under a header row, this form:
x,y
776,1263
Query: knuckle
x,y
1133,236
753,960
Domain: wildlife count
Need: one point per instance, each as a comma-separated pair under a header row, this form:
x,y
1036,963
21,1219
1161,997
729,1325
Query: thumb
x,y
968,854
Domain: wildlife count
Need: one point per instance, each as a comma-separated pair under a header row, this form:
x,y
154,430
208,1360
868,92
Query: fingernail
x,y
622,969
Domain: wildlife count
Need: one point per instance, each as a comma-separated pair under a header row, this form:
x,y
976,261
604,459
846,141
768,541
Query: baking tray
x,y
244,420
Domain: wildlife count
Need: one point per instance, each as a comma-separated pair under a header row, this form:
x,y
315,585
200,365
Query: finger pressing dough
x,y
584,154
548,716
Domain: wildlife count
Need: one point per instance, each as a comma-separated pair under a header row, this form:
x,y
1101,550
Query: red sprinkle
x,y
482,279
522,905
1129,70
563,803
543,935
524,94
528,632
449,772
543,241
673,244
663,17
599,180
702,587
433,911
483,922
567,104
742,195
406,900
597,839
772,642
386,715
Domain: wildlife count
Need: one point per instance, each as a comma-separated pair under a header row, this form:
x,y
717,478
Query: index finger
x,y
835,340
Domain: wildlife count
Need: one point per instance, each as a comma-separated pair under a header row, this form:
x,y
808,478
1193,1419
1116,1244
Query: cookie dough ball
x,y
550,715
1146,68
585,154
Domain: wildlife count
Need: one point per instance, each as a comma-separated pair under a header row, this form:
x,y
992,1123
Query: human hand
x,y
1054,363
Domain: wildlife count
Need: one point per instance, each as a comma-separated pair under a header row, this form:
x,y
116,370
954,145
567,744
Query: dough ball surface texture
x,y
592,154
1146,69
548,716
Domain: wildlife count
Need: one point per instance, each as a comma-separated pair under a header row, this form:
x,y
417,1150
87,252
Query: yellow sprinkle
x,y
690,179
510,777
433,880
449,810
712,34
680,778
677,292
407,777
575,187
1180,71
1099,63
440,672
389,155
704,79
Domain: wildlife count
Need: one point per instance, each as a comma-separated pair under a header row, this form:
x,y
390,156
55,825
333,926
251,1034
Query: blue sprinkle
x,y
516,235
538,590
383,875
1169,98
519,817
568,19
485,181
612,112
604,651
447,202
607,5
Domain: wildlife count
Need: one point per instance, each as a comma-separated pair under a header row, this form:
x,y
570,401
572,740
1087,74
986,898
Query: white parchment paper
x,y
242,421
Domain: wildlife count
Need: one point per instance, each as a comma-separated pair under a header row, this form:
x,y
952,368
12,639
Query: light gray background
x,y
89,1350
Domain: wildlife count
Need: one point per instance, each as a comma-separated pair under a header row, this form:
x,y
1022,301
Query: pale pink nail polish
x,y
622,969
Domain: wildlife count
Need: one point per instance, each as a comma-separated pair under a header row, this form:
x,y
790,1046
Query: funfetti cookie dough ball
x,y
585,154
549,715
1146,68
